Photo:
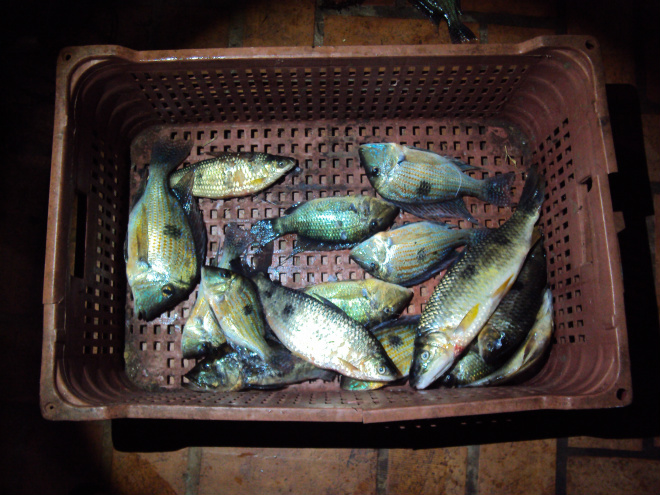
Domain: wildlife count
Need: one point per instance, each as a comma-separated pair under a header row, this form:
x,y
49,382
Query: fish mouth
x,y
421,379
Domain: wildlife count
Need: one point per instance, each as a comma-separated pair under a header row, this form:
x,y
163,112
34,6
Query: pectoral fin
x,y
501,291
468,319
348,365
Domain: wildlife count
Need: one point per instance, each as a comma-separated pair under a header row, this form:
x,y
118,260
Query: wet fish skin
x,y
322,334
410,254
242,369
369,302
235,304
528,357
427,184
201,333
516,313
163,250
450,10
231,174
467,369
343,220
398,340
472,288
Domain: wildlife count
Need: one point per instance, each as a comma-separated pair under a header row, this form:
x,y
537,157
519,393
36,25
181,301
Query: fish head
x,y
353,384
217,281
155,292
222,374
371,255
387,299
378,214
379,368
284,163
433,356
378,160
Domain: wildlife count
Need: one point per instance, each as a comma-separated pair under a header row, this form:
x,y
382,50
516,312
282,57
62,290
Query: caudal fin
x,y
168,154
497,189
532,197
264,231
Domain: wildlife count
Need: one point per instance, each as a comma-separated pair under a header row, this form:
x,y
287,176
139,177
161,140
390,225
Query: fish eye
x,y
167,290
381,370
425,355
375,171
373,224
206,366
373,265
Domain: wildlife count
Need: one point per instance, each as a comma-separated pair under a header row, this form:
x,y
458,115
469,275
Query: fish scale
x,y
471,289
322,334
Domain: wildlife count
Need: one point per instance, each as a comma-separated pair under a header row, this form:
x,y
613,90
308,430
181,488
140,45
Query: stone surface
x,y
612,476
519,467
274,471
427,471
606,443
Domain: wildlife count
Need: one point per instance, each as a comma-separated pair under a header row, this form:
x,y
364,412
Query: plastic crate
x,y
501,107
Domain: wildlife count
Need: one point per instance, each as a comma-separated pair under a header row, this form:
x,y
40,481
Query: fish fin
x,y
464,167
218,154
444,263
293,208
140,192
468,319
183,193
168,154
504,288
454,208
126,250
262,259
459,32
306,244
350,366
236,241
327,302
401,320
537,235
412,156
532,195
264,231
497,190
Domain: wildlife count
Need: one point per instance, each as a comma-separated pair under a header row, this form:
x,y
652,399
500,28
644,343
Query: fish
x,y
429,185
235,304
240,370
369,302
467,369
166,240
328,223
322,334
516,313
231,174
529,356
398,340
450,10
412,253
201,333
472,288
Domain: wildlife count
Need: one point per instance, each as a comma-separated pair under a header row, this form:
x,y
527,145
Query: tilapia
x,y
467,369
472,288
236,306
231,175
412,253
398,340
239,370
516,313
322,334
369,302
450,10
166,241
202,333
429,185
529,356
329,223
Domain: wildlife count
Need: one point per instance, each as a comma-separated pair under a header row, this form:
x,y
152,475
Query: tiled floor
x,y
613,452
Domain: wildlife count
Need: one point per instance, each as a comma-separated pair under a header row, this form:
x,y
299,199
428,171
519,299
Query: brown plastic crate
x,y
503,107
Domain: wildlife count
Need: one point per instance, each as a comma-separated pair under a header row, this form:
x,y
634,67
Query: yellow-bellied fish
x,y
230,175
529,355
236,306
323,334
398,340
166,239
412,253
242,369
329,223
429,185
473,287
369,302
516,313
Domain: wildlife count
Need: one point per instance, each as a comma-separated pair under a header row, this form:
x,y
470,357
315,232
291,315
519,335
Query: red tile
x,y
606,443
612,476
273,471
427,471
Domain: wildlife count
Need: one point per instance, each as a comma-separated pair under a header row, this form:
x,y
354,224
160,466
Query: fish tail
x,y
236,242
167,154
459,32
532,197
497,189
264,231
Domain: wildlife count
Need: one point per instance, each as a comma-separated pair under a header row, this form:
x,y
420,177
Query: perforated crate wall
x,y
502,108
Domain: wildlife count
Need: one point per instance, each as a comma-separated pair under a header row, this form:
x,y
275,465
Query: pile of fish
x,y
488,321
